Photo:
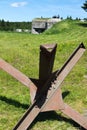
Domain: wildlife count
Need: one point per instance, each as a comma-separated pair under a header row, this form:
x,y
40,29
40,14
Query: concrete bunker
x,y
39,25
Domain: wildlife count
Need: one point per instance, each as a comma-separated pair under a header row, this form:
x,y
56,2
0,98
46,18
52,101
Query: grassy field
x,y
22,51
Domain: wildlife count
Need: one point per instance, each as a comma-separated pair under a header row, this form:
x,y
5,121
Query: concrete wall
x,y
40,25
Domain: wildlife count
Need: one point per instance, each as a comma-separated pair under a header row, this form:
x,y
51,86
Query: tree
x,y
69,17
85,6
11,26
2,24
56,16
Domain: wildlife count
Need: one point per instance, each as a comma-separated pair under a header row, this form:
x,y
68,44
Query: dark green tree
x,y
12,26
85,6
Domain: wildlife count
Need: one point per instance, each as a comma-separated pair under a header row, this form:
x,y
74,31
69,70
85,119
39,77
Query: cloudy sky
x,y
26,10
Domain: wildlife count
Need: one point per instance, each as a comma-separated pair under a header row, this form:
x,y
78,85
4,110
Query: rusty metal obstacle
x,y
46,92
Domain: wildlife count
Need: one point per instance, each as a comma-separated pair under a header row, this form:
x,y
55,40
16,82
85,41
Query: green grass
x,y
22,51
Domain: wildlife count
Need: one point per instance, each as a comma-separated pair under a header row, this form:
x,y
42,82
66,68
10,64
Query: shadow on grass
x,y
64,94
13,102
54,116
42,116
83,24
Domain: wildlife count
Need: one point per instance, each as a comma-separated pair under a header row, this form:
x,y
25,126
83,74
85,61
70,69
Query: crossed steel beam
x,y
46,92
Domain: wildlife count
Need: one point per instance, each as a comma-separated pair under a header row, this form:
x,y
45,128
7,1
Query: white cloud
x,y
18,4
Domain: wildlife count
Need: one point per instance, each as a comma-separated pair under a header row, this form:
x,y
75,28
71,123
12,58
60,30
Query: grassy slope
x,y
22,51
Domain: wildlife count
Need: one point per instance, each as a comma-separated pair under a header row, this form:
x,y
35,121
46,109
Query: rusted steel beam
x,y
19,76
49,90
69,64
34,110
77,117
55,103
47,55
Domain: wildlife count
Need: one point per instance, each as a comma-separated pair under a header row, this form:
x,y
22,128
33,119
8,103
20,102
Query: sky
x,y
27,10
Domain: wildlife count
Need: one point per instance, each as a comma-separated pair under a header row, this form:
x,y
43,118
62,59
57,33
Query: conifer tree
x,y
85,6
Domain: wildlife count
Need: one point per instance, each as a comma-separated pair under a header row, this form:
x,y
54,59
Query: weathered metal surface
x,y
76,116
55,103
43,102
19,76
47,95
47,55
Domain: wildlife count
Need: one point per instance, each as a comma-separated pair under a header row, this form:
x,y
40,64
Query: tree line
x,y
12,26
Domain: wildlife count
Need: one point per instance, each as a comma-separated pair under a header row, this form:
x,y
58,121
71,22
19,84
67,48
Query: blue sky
x,y
26,10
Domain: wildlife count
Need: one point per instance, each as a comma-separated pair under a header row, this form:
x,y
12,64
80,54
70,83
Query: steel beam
x,y
49,90
47,95
19,76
